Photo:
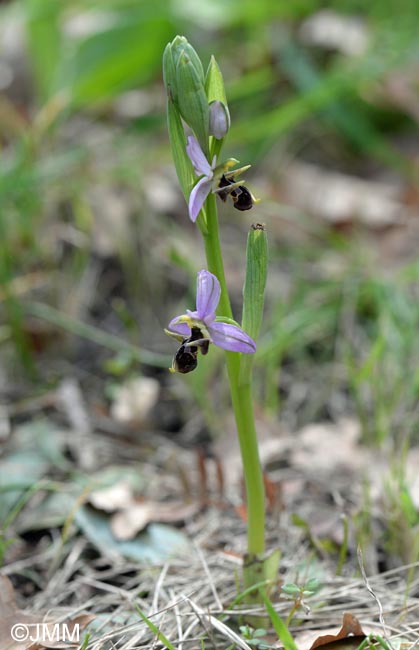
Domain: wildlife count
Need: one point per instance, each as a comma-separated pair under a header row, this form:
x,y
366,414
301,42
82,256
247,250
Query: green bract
x,y
177,137
254,287
214,83
255,282
169,72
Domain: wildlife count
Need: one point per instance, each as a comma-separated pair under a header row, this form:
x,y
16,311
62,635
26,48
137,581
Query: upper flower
x,y
224,335
215,178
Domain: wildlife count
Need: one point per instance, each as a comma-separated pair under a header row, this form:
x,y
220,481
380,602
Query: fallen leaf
x,y
135,399
17,624
351,629
323,446
131,516
119,495
127,523
69,631
158,542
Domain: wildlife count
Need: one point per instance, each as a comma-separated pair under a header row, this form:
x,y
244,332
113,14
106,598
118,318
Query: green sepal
x,y
254,290
192,99
177,137
214,83
225,319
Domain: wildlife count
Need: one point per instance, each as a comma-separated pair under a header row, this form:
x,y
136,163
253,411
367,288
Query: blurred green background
x,y
97,253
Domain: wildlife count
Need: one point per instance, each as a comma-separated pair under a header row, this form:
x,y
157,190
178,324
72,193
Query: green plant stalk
x,y
241,397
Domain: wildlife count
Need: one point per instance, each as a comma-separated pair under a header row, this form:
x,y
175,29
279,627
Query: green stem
x,y
241,396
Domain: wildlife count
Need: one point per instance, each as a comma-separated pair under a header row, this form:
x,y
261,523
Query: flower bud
x,y
191,98
181,45
219,119
172,53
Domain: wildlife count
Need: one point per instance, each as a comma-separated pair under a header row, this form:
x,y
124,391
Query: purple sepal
x,y
208,292
231,337
197,158
197,197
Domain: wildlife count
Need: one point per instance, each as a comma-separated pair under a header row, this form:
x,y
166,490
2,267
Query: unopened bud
x,y
219,119
192,99
181,45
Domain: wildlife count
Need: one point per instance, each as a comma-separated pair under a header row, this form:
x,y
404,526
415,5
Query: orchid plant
x,y
196,102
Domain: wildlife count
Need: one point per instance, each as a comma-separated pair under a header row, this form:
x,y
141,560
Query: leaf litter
x,y
16,625
115,557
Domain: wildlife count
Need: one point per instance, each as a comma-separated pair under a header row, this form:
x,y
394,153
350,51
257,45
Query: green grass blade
x,y
278,624
161,637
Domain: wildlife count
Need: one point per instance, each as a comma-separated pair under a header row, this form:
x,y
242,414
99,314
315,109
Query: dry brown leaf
x,y
135,399
274,444
129,516
115,497
128,522
349,636
17,624
81,621
325,446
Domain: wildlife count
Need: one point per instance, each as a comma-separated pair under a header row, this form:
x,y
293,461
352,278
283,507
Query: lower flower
x,y
197,329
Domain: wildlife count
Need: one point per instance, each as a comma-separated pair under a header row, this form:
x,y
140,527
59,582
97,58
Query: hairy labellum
x,y
186,358
242,198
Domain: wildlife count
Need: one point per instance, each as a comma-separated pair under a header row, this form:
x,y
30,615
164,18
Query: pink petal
x,y
197,197
197,157
208,293
179,328
231,337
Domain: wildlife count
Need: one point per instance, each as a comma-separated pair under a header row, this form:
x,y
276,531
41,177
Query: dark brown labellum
x,y
242,198
224,182
186,358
